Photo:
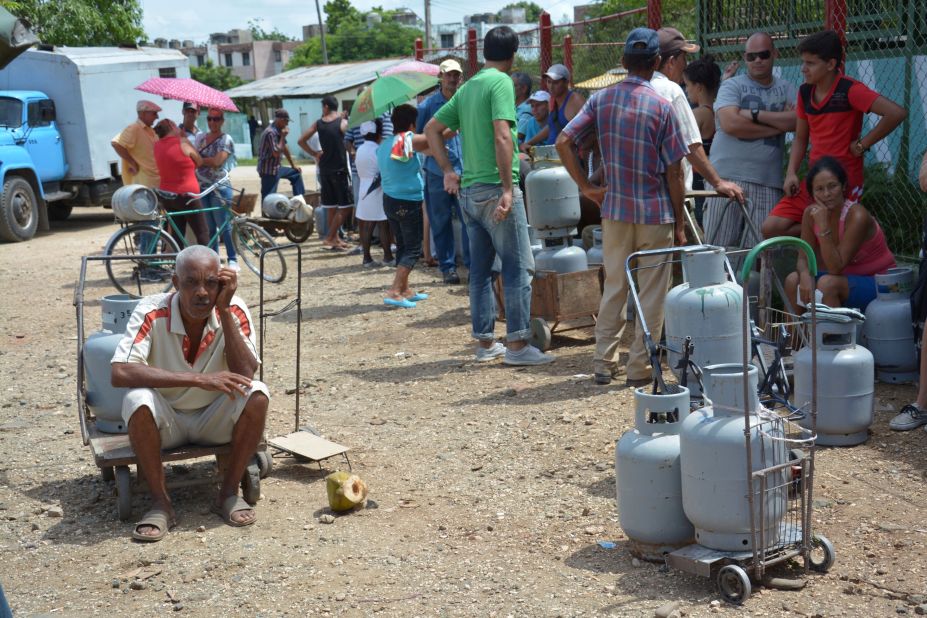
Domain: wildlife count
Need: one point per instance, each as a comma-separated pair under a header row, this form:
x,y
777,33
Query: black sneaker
x,y
451,277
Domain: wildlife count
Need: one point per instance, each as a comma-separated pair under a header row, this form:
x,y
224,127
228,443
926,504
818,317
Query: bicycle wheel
x,y
144,275
250,239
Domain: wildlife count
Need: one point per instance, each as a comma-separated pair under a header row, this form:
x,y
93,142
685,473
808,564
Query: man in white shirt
x,y
673,58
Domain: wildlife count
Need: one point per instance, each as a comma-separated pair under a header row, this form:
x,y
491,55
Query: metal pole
x,y
472,60
546,43
654,14
568,52
318,12
427,23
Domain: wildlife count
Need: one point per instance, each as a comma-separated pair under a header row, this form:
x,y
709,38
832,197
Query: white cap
x,y
368,126
541,96
147,106
557,72
450,65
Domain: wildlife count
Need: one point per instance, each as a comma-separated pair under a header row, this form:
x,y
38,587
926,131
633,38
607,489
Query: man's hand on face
x,y
228,283
285,131
228,382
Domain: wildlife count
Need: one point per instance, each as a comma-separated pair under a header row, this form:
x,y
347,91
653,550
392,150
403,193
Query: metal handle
x,y
772,242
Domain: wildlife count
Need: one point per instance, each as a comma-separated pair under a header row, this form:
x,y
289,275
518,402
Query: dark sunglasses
x,y
762,55
214,118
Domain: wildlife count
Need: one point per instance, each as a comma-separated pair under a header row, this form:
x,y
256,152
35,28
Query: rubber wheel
x,y
822,555
123,492
299,232
250,239
59,211
19,210
540,334
733,584
265,463
251,483
107,473
141,276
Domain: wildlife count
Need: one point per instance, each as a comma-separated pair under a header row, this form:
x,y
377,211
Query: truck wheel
x,y
19,213
59,212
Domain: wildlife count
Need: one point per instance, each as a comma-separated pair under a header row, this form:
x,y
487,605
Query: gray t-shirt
x,y
751,160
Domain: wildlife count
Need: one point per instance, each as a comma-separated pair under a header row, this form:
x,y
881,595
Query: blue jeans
x,y
217,218
509,240
441,206
269,183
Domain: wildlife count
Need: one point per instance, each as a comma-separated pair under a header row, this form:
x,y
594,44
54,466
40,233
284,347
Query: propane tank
x,y
594,255
276,206
536,245
888,331
714,463
708,308
561,256
553,202
134,203
845,377
648,476
104,400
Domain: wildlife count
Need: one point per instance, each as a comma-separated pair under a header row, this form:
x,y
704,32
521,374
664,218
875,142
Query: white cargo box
x,y
94,93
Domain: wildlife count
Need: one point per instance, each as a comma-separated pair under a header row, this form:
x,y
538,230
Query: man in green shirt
x,y
483,110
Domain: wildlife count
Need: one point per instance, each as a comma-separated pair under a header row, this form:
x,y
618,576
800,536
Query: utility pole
x,y
427,23
318,12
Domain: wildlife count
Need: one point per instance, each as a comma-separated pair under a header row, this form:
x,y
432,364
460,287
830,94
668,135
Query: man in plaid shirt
x,y
642,202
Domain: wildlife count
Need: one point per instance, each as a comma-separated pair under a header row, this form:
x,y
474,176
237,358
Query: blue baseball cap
x,y
642,42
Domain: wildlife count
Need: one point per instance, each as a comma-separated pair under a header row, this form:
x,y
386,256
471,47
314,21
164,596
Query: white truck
x,y
59,110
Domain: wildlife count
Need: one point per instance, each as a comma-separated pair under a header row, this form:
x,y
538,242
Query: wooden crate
x,y
556,297
246,205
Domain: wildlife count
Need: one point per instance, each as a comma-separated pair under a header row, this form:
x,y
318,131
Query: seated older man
x,y
189,357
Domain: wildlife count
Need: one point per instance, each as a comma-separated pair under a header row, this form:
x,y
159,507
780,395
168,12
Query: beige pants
x,y
619,240
211,426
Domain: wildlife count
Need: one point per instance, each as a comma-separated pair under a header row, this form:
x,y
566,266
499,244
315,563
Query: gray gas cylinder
x,y
104,400
552,203
594,255
536,245
134,203
714,463
888,332
708,308
561,256
276,206
846,383
648,476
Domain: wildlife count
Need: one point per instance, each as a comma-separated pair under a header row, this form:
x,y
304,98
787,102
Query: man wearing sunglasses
x,y
754,110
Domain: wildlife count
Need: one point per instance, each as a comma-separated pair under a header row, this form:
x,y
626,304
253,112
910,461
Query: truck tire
x,y
19,210
59,211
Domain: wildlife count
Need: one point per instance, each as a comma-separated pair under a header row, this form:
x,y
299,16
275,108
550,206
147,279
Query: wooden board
x,y
556,296
307,445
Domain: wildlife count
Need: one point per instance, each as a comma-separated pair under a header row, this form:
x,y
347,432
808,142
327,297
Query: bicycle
x,y
155,249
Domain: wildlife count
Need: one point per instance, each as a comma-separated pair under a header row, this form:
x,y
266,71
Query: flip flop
x,y
157,518
417,297
404,303
337,248
230,505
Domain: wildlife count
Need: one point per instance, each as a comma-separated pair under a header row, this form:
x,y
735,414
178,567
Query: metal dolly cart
x,y
792,478
113,453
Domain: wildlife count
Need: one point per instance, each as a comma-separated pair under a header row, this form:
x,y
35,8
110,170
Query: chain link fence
x,y
886,49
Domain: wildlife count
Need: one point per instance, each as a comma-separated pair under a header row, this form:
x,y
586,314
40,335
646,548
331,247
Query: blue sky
x,y
196,19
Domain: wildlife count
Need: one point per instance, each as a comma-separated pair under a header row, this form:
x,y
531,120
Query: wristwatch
x,y
755,112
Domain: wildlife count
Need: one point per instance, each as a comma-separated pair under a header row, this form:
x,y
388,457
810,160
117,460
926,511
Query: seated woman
x,y
848,243
177,161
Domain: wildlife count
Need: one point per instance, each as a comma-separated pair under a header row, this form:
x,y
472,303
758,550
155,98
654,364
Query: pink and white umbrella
x,y
188,90
414,66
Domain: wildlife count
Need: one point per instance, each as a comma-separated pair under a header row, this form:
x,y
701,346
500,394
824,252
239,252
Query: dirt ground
x,y
490,486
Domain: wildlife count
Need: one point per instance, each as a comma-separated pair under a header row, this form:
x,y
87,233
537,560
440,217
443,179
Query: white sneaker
x,y
492,352
910,417
528,355
233,265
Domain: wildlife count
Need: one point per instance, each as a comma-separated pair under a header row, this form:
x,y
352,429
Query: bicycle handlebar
x,y
194,196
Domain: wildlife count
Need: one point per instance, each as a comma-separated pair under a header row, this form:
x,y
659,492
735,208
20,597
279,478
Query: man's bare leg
x,y
400,288
334,224
146,442
245,439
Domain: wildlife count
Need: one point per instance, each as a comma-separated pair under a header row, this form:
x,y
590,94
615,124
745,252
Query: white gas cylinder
x,y
888,331
104,400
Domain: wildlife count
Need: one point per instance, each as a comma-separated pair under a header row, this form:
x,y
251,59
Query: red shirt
x,y
836,122
177,170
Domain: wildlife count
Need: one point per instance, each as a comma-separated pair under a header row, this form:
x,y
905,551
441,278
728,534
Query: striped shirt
x,y
639,138
155,336
268,153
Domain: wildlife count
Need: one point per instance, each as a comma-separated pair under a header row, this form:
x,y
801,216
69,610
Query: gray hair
x,y
522,79
194,253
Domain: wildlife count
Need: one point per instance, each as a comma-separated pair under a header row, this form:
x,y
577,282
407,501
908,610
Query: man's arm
x,y
505,149
891,114
434,133
539,138
676,183
796,154
703,166
138,375
735,124
571,163
282,147
783,121
126,156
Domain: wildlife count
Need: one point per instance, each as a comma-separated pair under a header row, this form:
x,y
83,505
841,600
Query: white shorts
x,y
209,426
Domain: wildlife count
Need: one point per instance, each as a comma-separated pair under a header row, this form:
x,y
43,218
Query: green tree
x,y
81,22
219,77
339,13
259,34
354,41
679,14
532,11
